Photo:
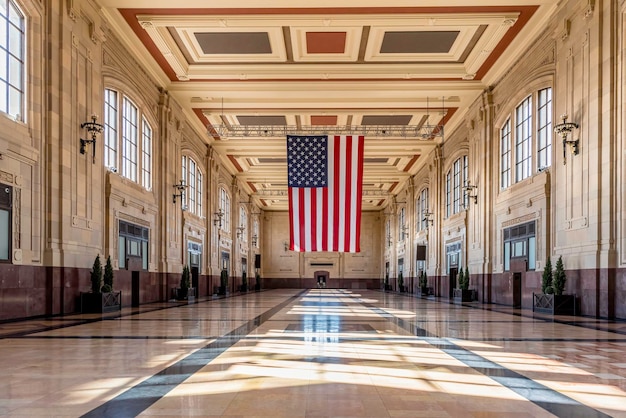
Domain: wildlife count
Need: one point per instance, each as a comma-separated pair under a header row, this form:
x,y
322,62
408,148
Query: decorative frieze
x,y
519,220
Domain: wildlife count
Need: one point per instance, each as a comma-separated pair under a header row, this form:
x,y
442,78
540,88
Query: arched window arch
x,y
224,204
127,138
526,134
12,47
192,176
456,178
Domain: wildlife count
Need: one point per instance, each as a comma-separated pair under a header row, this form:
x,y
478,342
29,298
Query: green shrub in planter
x,y
108,277
559,278
96,275
546,278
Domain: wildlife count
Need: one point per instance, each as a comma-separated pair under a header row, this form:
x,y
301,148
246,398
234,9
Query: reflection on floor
x,y
314,353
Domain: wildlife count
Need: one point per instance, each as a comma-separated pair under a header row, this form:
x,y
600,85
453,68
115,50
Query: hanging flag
x,y
325,176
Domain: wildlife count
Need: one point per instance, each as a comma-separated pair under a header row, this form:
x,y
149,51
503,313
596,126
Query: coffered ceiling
x,y
401,73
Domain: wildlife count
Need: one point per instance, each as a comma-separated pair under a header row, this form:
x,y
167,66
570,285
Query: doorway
x,y
134,292
321,279
517,290
454,271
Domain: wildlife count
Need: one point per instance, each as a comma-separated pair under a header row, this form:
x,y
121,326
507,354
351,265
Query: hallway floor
x,y
314,353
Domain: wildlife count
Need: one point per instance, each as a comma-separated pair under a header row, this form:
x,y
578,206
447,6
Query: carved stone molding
x,y
589,8
564,31
72,10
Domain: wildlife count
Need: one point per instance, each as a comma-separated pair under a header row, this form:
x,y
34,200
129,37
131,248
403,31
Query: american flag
x,y
325,186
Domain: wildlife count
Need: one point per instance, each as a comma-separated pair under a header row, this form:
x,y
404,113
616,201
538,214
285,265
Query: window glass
x,y
505,155
144,254
544,128
122,252
12,40
127,130
5,239
531,253
523,143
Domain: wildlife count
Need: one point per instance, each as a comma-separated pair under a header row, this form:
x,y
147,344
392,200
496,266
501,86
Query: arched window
x,y
192,176
127,136
402,227
225,209
421,209
531,136
12,47
456,179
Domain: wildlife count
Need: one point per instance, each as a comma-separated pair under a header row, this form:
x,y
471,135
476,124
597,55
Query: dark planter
x,y
462,295
554,304
188,294
257,286
100,302
424,291
243,288
222,290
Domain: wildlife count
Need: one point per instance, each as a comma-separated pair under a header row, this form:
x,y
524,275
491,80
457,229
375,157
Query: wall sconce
x,y
285,246
428,217
240,230
254,240
403,230
181,186
217,218
470,191
93,128
389,240
564,129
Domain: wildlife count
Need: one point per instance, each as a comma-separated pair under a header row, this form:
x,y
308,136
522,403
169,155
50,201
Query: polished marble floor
x,y
314,353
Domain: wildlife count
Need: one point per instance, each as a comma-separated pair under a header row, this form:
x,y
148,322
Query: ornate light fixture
x,y
404,228
254,240
93,128
180,187
217,218
240,230
564,129
389,240
470,191
428,217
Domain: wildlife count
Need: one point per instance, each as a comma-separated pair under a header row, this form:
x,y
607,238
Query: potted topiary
x,y
552,300
257,285
463,293
183,292
423,284
102,298
244,282
400,282
223,282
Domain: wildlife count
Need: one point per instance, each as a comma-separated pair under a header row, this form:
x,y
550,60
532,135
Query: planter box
x,y
100,302
463,295
186,294
425,291
554,304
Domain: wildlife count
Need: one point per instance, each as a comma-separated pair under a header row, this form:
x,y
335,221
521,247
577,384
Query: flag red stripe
x,y
336,203
359,192
348,193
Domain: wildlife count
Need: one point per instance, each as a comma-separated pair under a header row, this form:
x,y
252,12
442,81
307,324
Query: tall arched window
x,y
456,179
225,209
12,47
192,176
530,138
402,227
421,208
127,137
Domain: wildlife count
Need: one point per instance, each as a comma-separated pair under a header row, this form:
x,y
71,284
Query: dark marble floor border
x,y
141,396
552,401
